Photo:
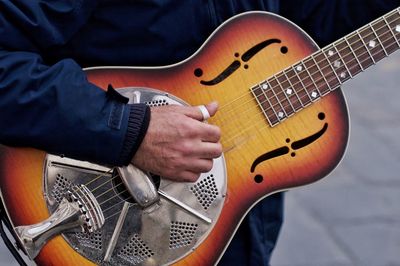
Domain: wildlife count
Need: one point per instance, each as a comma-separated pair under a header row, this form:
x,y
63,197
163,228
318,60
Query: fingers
x,y
208,150
200,165
202,112
189,176
197,167
206,132
212,108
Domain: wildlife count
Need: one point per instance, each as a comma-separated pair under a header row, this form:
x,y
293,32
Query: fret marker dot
x,y
289,91
330,52
372,43
314,94
336,63
398,28
343,75
280,114
265,86
299,68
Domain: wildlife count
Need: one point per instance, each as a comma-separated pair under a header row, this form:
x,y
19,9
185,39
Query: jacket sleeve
x,y
54,107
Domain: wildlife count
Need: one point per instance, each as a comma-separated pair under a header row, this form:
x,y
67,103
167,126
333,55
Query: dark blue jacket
x,y
47,103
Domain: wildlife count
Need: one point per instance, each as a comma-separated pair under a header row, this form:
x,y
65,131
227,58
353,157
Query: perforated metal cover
x,y
91,240
60,188
160,102
135,251
206,191
160,234
181,234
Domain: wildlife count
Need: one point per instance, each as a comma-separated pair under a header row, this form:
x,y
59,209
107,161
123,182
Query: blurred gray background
x,y
352,217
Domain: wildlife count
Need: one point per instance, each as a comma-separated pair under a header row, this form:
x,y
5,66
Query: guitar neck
x,y
308,80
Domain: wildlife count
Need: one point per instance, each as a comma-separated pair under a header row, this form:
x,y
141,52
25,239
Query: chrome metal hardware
x,y
80,210
139,185
144,224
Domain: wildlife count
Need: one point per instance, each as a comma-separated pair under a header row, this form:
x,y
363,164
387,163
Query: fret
x,y
303,76
284,103
366,47
386,37
293,95
370,41
265,89
315,93
388,41
323,54
360,50
265,105
273,100
285,92
391,30
378,39
342,74
337,62
301,89
354,54
323,87
348,58
393,20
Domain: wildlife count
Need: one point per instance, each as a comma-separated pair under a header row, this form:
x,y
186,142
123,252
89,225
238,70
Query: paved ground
x,y
352,217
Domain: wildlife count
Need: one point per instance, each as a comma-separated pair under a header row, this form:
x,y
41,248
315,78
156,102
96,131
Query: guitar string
x,y
113,177
350,67
109,190
156,184
112,215
281,92
353,34
113,206
78,188
117,194
99,176
105,192
245,129
307,84
104,183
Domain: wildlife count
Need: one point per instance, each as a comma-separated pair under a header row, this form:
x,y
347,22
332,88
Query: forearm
x,y
54,108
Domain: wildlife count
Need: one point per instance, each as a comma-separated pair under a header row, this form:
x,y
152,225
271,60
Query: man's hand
x,y
178,145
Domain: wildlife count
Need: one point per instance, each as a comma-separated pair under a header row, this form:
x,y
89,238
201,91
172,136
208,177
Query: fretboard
x,y
296,87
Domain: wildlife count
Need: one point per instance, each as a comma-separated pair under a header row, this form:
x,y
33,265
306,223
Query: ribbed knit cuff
x,y
138,122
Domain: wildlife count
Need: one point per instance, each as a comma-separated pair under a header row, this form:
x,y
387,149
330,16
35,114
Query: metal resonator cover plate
x,y
160,234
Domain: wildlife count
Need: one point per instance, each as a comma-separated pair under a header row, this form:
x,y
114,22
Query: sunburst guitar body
x,y
282,125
